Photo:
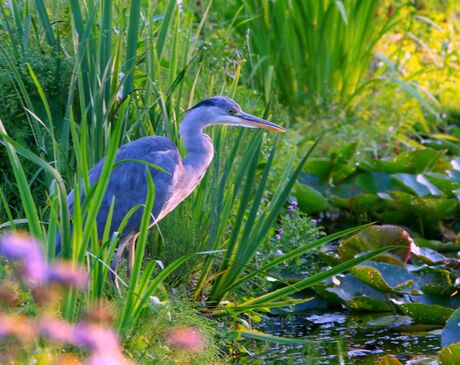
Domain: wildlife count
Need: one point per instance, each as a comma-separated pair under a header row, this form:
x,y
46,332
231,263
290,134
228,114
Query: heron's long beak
x,y
255,122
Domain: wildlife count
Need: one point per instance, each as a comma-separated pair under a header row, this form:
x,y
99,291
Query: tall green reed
x,y
314,51
135,81
102,102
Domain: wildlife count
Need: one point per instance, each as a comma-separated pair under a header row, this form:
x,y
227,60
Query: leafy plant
x,y
417,188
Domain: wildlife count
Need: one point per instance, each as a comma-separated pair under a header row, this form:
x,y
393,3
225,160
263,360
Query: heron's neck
x,y
198,145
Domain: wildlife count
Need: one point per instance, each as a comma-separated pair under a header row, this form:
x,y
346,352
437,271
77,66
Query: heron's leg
x,y
132,252
116,259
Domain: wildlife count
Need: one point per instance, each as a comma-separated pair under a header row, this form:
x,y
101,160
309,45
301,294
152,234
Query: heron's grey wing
x,y
128,182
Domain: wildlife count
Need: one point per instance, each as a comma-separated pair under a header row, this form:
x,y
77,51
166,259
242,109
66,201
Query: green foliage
x,y
426,290
417,188
315,51
84,78
54,77
294,229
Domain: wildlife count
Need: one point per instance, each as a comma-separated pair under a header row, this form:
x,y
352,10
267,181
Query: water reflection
x,y
342,338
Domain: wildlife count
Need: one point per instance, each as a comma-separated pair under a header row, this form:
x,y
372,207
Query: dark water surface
x,y
342,338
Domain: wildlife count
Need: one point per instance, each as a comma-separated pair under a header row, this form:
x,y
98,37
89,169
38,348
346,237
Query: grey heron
x,y
128,182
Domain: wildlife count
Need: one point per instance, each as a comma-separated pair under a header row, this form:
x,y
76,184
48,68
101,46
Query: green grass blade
x,y
264,300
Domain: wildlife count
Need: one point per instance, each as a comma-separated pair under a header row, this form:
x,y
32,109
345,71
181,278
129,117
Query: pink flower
x,y
29,251
17,326
186,338
64,272
95,337
103,357
57,330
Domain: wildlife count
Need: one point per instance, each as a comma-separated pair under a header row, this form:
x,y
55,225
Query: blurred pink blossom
x,y
64,272
186,338
17,326
109,358
29,251
95,337
57,330
35,269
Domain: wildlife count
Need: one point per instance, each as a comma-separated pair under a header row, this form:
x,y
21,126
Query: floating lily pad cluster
x,y
419,188
418,282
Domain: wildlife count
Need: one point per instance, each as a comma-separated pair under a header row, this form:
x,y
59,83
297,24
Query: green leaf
x,y
320,167
426,313
310,281
449,355
444,183
436,245
384,277
359,296
376,182
299,251
388,360
451,332
429,256
435,281
362,203
417,184
414,162
428,208
310,200
373,237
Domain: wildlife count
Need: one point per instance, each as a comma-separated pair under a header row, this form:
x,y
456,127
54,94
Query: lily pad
x,y
309,199
314,181
359,296
368,304
426,313
393,321
444,183
376,182
428,208
435,281
361,203
417,184
450,355
429,256
451,332
414,162
373,237
388,360
347,190
320,167
330,297
452,302
389,258
384,277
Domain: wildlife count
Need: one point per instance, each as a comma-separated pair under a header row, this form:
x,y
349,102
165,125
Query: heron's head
x,y
223,110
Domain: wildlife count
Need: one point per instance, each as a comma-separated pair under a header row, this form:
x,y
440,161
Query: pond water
x,y
343,338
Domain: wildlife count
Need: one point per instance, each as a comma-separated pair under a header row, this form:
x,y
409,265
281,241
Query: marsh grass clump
x,y
176,333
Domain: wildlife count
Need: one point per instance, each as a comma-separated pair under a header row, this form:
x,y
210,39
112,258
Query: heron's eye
x,y
231,111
